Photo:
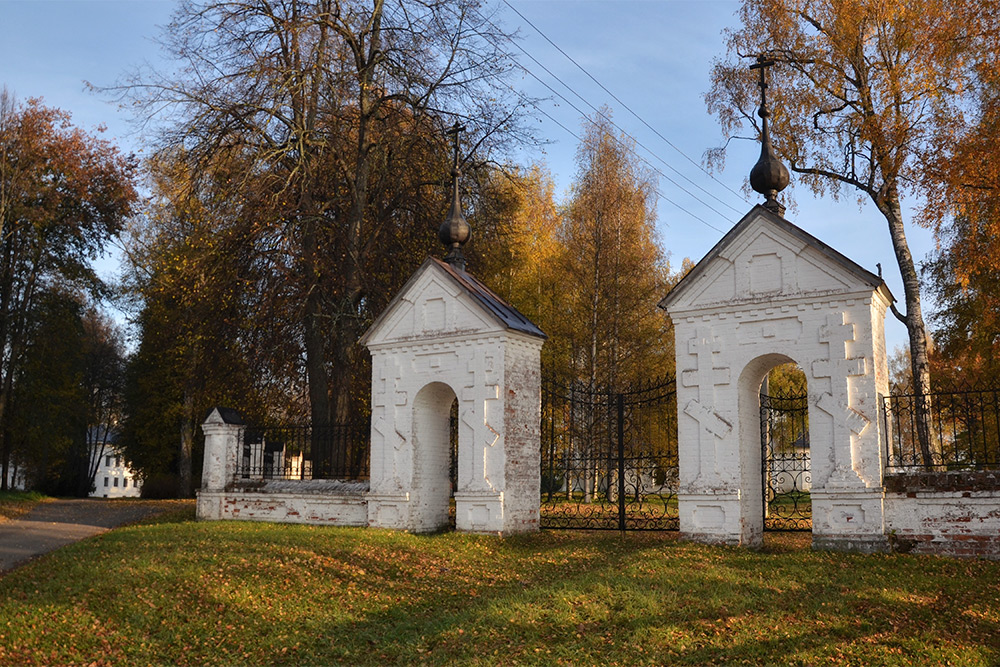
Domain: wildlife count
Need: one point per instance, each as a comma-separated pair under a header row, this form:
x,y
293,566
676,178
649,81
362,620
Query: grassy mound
x,y
188,593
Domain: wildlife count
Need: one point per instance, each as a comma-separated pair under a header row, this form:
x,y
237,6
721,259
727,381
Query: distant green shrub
x,y
161,485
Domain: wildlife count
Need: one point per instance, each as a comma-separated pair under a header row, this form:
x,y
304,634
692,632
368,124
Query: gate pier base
x,y
849,520
715,517
479,512
389,510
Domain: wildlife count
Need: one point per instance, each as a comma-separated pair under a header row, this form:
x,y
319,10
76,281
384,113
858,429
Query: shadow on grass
x,y
240,593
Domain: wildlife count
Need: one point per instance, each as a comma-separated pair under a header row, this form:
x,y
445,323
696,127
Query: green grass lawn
x,y
180,592
14,504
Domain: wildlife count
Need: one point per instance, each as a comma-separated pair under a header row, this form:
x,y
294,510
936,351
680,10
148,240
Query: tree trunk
x,y
346,324
595,302
316,325
186,489
919,362
4,463
94,461
345,333
316,374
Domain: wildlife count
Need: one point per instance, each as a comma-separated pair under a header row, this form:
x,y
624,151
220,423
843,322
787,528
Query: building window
x,y
125,483
118,461
116,481
107,461
105,481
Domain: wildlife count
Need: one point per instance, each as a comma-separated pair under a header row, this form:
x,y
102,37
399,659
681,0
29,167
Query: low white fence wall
x,y
223,496
320,503
945,513
954,513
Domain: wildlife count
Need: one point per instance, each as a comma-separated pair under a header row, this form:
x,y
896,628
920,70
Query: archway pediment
x,y
765,258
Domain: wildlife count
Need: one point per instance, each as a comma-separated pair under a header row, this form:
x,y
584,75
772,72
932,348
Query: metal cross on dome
x,y
455,231
455,130
769,176
762,64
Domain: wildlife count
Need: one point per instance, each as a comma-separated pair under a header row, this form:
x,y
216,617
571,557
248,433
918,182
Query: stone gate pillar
x,y
222,428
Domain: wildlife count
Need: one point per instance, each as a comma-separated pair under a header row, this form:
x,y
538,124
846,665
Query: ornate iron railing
x,y
964,430
339,451
609,459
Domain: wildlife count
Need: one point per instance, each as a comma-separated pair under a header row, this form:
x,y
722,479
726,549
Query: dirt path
x,y
51,525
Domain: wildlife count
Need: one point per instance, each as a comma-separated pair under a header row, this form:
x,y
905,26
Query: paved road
x,y
55,524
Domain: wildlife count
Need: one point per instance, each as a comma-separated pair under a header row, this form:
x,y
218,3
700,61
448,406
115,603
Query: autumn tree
x,y
517,251
607,275
962,176
861,90
200,298
67,394
964,210
612,268
63,195
962,277
47,425
335,108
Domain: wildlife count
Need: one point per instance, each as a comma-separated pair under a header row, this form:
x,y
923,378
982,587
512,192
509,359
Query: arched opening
x,y
786,475
760,473
435,454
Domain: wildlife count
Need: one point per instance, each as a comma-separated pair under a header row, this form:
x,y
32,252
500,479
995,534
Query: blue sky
x,y
654,55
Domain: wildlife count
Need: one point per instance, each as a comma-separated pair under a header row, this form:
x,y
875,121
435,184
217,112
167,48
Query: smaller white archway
x,y
444,338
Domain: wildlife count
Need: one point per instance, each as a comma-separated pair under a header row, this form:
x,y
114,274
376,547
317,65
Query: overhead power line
x,y
581,140
624,132
658,192
622,103
624,146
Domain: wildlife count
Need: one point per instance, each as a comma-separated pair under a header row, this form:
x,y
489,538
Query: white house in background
x,y
114,479
16,476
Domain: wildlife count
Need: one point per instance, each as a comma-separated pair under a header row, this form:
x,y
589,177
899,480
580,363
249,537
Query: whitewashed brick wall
x,y
436,344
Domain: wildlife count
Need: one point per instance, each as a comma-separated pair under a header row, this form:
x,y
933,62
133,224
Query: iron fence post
x,y
621,463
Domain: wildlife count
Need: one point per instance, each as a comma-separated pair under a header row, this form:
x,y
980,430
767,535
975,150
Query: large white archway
x,y
754,468
751,480
769,293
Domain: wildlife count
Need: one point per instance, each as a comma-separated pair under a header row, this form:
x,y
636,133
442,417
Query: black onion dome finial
x,y
769,176
455,231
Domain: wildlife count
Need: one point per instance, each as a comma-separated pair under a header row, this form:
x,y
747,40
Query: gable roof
x,y
505,313
759,211
491,304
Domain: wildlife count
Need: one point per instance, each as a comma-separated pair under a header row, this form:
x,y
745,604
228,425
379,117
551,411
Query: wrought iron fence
x,y
339,451
964,430
785,457
609,459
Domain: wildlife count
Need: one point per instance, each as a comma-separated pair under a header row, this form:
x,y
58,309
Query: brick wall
x,y
945,513
317,509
